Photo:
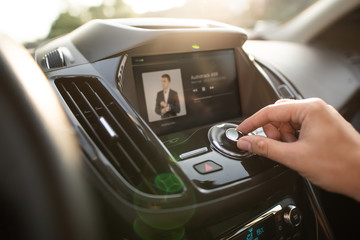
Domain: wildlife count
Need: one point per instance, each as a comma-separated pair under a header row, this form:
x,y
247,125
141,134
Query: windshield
x,y
32,21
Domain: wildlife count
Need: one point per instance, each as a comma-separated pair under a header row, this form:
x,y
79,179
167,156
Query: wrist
x,y
354,181
357,187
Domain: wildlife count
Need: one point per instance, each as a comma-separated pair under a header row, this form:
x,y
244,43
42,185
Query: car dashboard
x,y
182,176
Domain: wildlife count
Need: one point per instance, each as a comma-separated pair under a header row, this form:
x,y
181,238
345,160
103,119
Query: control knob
x,y
292,216
223,138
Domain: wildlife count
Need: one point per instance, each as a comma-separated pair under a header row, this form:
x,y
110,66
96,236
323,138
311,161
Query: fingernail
x,y
244,145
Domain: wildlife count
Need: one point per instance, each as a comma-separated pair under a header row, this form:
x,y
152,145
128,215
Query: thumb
x,y
267,147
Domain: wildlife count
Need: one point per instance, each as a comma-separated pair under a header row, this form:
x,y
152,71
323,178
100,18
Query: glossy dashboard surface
x,y
166,176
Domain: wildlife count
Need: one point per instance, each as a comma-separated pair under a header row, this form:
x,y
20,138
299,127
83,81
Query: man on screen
x,y
167,100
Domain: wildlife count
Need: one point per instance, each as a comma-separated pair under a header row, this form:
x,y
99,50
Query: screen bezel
x,y
183,121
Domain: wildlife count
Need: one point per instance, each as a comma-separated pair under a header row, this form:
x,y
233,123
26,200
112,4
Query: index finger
x,y
288,111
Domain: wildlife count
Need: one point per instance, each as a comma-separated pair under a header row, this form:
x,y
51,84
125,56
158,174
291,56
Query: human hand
x,y
327,151
165,110
163,104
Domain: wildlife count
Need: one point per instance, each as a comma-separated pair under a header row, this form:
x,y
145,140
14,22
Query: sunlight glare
x,y
142,6
86,2
28,20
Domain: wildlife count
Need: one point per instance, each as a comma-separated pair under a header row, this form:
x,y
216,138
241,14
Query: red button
x,y
207,167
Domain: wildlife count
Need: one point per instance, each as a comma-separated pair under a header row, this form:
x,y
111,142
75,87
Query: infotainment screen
x,y
181,91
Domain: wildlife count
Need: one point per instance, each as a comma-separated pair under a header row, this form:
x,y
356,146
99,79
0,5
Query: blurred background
x,y
33,21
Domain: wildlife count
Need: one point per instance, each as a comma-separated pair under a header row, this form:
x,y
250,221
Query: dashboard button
x,y
193,153
207,167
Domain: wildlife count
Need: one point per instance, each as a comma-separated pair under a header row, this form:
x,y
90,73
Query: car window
x,y
65,15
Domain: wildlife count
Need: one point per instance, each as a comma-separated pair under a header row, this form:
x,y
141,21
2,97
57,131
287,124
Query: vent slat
x,y
122,158
129,160
87,125
111,129
127,137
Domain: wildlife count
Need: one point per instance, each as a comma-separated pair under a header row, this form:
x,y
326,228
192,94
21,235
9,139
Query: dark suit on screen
x,y
173,103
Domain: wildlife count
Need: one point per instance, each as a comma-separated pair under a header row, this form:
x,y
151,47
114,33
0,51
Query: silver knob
x,y
292,216
233,134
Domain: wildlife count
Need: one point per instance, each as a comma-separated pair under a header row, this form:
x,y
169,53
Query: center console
x,y
156,111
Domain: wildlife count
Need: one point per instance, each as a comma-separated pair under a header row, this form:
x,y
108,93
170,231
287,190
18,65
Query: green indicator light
x,y
168,183
195,46
139,60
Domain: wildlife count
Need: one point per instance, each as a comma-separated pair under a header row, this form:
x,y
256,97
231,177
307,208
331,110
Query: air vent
x,y
54,59
116,135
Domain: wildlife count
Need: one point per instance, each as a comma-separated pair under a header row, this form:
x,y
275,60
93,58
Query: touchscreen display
x,y
181,91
